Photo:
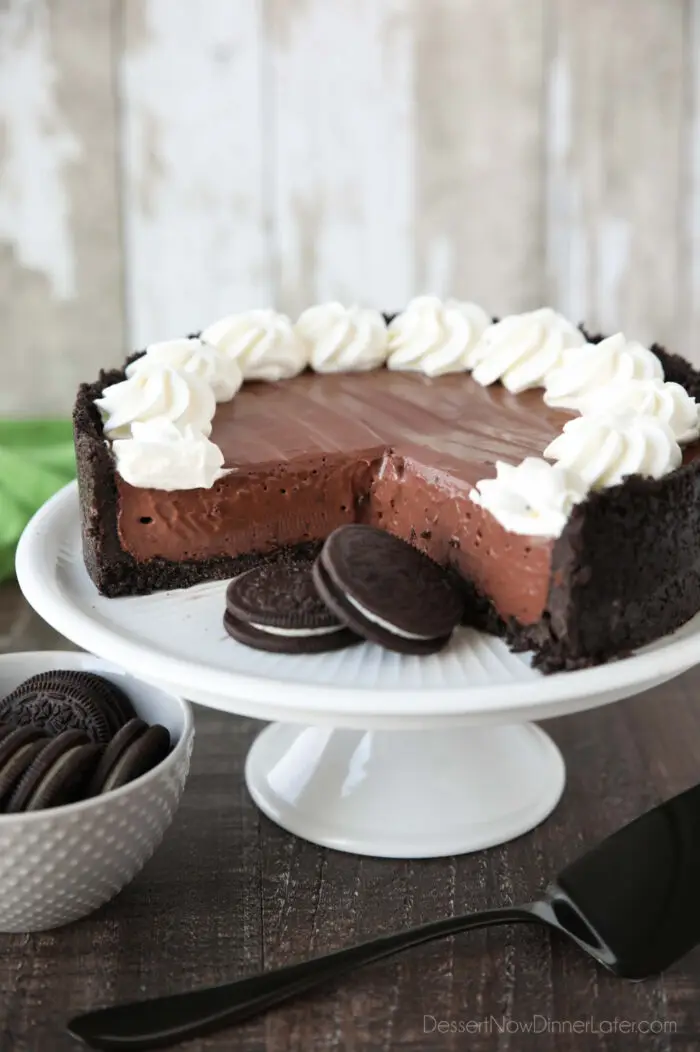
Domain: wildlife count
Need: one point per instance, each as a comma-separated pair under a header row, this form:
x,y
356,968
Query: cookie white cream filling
x,y
380,622
293,633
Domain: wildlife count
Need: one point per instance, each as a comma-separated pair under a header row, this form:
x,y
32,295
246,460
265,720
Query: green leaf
x,y
36,459
13,519
30,434
60,458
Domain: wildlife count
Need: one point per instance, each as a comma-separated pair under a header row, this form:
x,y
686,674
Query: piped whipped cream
x,y
159,455
606,448
533,498
158,420
160,393
668,402
343,339
262,343
577,381
435,338
522,349
192,357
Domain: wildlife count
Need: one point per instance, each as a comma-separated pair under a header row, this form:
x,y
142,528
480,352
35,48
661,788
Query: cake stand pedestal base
x,y
405,794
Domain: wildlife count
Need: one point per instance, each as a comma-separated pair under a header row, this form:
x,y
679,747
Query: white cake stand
x,y
373,752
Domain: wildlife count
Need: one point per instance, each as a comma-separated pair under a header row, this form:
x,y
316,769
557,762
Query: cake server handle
x,y
167,1020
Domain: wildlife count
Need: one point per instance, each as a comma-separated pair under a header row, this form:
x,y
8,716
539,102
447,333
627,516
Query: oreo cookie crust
x,y
63,700
277,608
386,590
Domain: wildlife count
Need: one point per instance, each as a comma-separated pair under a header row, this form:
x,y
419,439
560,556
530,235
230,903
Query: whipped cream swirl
x,y
159,455
193,357
435,338
522,349
262,343
162,393
343,339
605,448
576,383
533,498
668,402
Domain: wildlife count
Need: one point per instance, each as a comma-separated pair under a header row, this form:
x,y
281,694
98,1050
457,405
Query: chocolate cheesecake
x,y
404,451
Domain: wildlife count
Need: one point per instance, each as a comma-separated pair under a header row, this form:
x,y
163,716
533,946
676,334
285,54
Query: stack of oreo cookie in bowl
x,y
365,585
92,766
66,736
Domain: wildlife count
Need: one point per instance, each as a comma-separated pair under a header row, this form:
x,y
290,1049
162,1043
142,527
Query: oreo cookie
x,y
387,591
62,781
67,735
136,749
121,741
65,700
276,607
117,705
50,750
18,750
5,729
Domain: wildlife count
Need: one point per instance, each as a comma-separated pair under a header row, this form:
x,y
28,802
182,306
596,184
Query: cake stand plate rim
x,y
55,529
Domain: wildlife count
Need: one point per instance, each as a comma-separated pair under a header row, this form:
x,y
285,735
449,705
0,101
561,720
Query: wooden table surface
x,y
229,893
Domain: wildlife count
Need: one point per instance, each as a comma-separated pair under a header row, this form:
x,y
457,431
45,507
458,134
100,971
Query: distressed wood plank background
x,y
162,163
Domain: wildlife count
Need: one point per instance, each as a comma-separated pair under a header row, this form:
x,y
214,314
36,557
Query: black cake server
x,y
632,903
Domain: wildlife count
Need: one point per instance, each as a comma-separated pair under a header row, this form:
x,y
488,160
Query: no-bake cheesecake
x,y
555,474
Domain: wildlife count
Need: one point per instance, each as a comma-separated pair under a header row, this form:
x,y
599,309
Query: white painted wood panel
x,y
340,77
689,279
60,277
163,162
615,107
479,159
193,171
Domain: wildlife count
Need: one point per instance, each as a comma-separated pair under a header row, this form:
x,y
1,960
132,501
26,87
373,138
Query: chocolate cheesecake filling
x,y
397,450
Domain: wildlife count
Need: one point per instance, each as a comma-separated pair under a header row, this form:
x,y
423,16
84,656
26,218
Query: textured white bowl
x,y
60,864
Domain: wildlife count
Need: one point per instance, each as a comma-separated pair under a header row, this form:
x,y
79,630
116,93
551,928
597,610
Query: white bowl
x,y
60,864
